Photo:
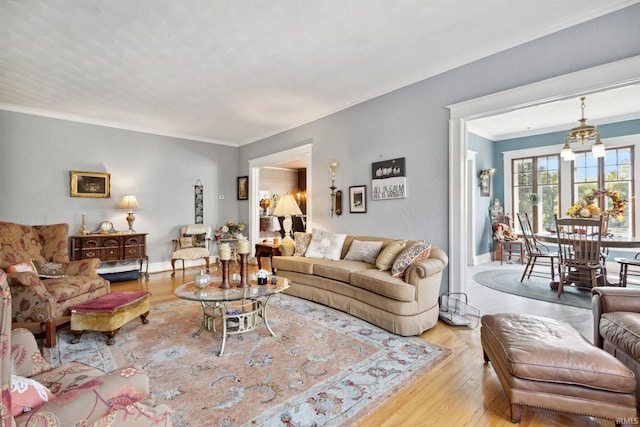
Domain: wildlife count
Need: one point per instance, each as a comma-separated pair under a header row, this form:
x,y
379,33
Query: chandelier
x,y
583,132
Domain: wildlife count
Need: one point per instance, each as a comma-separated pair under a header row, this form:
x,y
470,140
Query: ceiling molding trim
x,y
116,125
623,72
551,129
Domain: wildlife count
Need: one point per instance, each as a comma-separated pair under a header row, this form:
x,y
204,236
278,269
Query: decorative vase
x,y
202,280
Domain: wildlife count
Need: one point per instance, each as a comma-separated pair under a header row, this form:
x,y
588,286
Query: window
x,y
613,172
536,189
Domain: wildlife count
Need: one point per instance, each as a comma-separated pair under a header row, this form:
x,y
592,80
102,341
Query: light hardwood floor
x,y
462,390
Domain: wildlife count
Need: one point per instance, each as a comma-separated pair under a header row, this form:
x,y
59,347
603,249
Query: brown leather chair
x,y
616,325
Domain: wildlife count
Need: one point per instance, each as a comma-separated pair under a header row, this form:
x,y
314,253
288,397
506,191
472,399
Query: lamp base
x,y
130,219
287,224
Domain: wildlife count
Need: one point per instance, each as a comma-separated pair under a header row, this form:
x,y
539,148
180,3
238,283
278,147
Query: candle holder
x,y
244,269
225,274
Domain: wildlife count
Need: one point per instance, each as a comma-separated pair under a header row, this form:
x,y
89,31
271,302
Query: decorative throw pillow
x,y
363,251
197,240
386,257
186,242
417,252
301,241
325,245
49,270
24,266
27,394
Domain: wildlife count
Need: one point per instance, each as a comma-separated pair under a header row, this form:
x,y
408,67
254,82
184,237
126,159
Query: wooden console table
x,y
111,248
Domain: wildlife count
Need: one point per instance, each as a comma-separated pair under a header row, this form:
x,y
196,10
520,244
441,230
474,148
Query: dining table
x,y
608,242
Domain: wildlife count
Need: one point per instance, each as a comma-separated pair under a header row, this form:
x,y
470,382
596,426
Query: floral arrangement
x,y
487,173
231,229
585,208
266,203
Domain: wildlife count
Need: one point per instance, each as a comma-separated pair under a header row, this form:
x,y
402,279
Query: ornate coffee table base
x,y
238,319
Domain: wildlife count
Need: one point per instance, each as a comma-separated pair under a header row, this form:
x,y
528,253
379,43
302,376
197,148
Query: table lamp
x,y
286,207
129,203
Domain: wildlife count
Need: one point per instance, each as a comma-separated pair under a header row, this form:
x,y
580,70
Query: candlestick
x,y
225,274
244,269
83,228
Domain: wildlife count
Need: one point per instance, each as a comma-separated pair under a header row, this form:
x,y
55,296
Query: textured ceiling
x,y
233,72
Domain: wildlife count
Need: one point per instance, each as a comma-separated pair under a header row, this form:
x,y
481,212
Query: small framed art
x,y
358,199
90,184
243,188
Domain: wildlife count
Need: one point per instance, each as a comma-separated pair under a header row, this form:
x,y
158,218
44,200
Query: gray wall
x,y
412,122
37,153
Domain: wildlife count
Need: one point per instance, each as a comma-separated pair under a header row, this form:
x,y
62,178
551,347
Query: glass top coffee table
x,y
237,310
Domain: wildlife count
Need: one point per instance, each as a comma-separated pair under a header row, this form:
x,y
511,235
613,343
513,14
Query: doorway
x,y
616,74
300,157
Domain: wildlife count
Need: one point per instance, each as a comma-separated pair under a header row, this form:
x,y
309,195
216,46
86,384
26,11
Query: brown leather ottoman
x,y
546,363
107,314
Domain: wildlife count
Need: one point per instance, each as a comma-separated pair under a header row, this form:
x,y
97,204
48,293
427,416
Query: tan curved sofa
x,y
407,306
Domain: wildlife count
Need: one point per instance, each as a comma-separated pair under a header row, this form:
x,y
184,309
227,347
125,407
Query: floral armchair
x,y
29,253
34,393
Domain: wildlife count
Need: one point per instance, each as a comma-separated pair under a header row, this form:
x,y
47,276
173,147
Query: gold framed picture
x,y
90,184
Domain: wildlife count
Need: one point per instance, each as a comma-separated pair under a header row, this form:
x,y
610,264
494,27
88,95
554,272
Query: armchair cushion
x,y
24,266
40,242
27,394
49,270
197,240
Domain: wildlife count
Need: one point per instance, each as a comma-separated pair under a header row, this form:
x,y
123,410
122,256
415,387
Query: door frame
x,y
595,79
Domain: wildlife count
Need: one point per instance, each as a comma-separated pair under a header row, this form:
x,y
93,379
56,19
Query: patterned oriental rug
x,y
324,367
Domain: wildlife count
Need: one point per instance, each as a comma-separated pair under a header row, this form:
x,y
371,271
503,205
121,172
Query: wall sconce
x,y
336,197
129,203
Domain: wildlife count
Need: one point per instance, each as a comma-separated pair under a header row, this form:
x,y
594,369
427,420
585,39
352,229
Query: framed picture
x,y
243,188
485,187
358,199
90,184
389,179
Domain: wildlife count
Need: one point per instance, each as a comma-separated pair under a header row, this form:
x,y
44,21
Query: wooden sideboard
x,y
111,248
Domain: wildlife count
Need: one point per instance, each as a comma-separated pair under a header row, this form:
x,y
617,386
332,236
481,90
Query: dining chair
x,y
625,263
503,238
582,262
536,251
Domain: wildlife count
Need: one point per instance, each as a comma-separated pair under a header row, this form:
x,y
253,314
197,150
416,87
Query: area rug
x,y
324,367
535,287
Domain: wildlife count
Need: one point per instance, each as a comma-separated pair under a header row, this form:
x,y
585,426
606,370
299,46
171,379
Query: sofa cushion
x,y
622,329
325,245
293,263
363,251
383,283
301,242
338,270
417,252
388,255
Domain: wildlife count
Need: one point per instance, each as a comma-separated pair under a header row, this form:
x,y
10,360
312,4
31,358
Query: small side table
x,y
266,250
510,248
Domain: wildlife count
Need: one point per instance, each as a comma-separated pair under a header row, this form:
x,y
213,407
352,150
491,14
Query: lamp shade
x,y
129,202
287,205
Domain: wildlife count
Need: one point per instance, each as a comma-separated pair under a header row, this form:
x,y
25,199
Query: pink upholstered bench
x,y
109,313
